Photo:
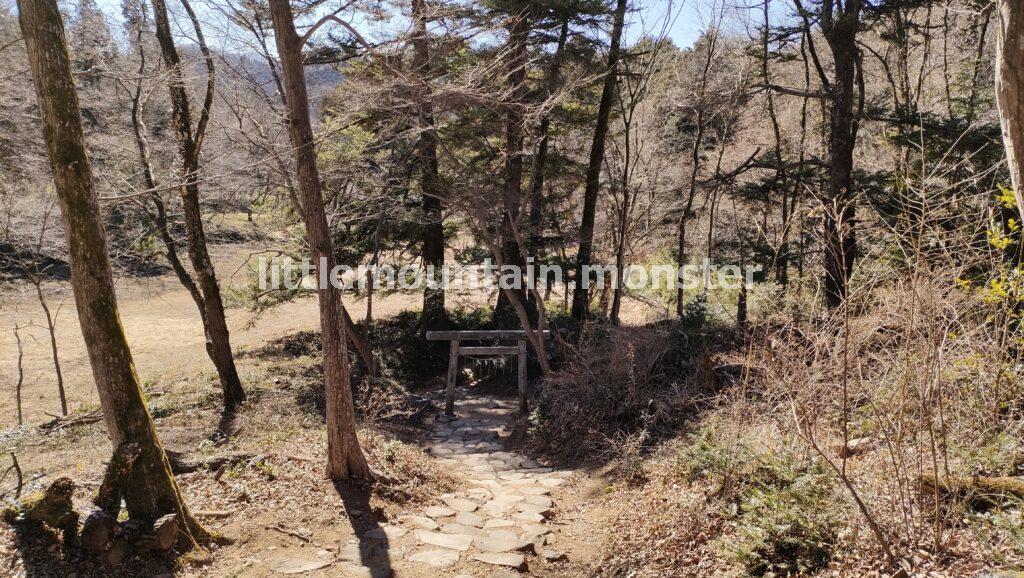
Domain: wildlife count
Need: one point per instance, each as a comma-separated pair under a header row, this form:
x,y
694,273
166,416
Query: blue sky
x,y
685,25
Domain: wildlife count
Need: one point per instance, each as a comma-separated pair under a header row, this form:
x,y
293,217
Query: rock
x,y
460,542
460,505
535,509
505,542
436,558
536,530
439,512
552,555
531,517
539,501
469,519
479,493
856,446
535,491
496,523
420,522
517,561
552,482
386,532
300,566
460,529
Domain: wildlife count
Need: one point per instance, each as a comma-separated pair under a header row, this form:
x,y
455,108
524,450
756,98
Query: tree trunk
x,y
581,297
189,144
21,375
839,237
434,315
51,328
344,457
541,155
1010,90
151,489
518,31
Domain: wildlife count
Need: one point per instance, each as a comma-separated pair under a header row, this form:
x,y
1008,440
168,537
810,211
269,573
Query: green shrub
x,y
783,508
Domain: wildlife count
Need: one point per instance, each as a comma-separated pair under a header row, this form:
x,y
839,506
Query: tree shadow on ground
x,y
373,548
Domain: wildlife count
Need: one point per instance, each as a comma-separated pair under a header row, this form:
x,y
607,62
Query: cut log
x,y
97,531
978,491
52,507
161,536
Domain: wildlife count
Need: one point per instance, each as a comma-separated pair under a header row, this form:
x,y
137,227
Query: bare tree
x,y
344,456
148,488
190,142
21,373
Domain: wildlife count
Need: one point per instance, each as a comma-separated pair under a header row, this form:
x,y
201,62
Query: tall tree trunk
x,y
839,227
149,488
541,154
1010,89
698,143
189,146
434,315
344,456
581,297
518,31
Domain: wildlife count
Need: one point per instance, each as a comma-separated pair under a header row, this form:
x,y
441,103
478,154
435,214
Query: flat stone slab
x,y
461,529
552,482
469,519
503,543
496,523
422,522
535,509
460,505
530,517
517,561
438,512
539,501
536,529
460,542
301,566
436,558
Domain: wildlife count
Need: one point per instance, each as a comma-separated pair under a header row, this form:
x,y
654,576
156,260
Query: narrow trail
x,y
501,521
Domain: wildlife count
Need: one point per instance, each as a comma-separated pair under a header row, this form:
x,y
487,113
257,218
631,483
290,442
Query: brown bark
x,y
151,490
581,296
541,155
218,342
344,457
840,24
1010,89
434,315
512,187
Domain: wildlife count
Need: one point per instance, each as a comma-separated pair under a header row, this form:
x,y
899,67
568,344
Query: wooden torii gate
x,y
456,349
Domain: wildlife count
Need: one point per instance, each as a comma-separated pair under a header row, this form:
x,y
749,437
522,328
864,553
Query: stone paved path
x,y
501,519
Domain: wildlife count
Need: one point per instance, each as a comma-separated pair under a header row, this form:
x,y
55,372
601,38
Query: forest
x,y
609,288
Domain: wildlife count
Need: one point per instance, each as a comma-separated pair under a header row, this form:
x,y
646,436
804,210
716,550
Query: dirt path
x,y
506,521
